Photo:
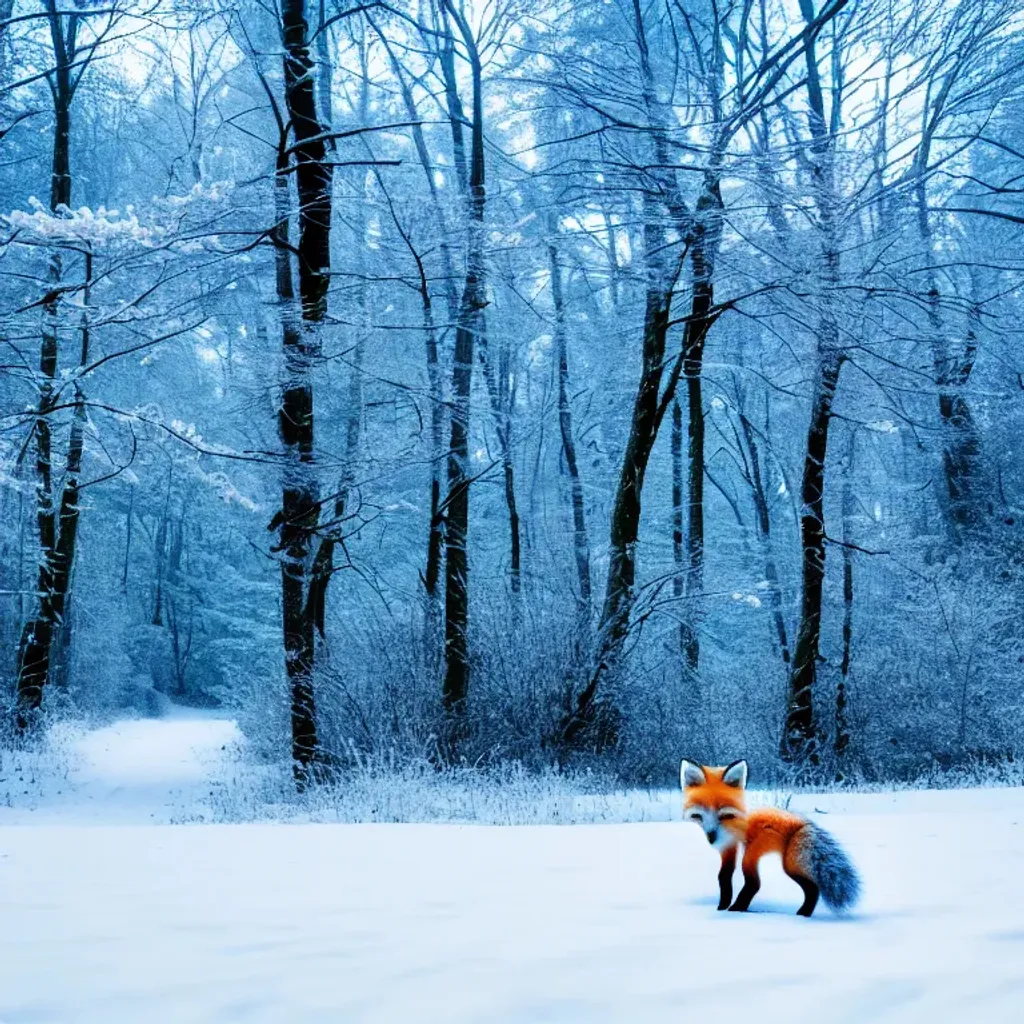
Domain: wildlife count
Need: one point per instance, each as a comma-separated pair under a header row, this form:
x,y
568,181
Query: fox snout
x,y
712,835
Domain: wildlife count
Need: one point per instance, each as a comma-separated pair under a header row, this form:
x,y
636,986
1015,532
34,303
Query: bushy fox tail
x,y
830,868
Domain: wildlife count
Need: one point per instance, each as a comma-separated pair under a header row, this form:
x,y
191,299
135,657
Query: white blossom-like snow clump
x,y
98,228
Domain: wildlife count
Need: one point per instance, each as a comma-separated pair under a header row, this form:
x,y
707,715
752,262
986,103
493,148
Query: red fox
x,y
714,799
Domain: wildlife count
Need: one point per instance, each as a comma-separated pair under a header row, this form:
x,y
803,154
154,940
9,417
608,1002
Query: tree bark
x,y
324,66
960,438
304,575
962,449
763,522
591,717
57,522
453,100
678,531
455,689
703,251
581,545
841,740
435,533
799,740
496,376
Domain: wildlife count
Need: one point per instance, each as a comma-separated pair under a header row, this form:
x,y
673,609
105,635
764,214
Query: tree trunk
x,y
961,440
704,249
591,717
799,738
762,519
303,576
588,718
678,533
456,114
799,741
581,545
496,376
6,10
501,399
435,533
841,741
57,524
324,67
457,664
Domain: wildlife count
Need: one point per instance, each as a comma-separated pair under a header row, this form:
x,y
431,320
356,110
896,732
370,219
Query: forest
x,y
573,384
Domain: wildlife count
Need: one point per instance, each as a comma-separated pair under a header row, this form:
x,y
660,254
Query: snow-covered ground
x,y
336,923
136,771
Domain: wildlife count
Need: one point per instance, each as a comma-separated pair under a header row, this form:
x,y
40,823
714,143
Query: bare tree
x,y
305,572
57,507
470,326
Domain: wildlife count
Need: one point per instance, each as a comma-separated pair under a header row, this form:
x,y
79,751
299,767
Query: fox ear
x,y
735,774
691,774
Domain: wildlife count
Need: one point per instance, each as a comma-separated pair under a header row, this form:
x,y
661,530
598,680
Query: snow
x,y
131,922
136,771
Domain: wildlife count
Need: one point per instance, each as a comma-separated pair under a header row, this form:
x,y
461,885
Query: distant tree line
x,y
572,382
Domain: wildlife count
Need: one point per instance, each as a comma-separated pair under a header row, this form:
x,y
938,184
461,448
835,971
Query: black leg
x,y
751,883
810,895
725,879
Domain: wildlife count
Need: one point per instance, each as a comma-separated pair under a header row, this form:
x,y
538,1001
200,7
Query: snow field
x,y
273,923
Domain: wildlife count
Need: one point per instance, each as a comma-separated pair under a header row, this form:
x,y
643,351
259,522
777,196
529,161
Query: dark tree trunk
x,y
313,172
423,153
590,718
57,521
457,664
304,574
496,377
625,523
501,400
435,535
799,738
841,741
456,114
515,559
762,519
961,440
160,556
581,545
678,532
704,247
435,532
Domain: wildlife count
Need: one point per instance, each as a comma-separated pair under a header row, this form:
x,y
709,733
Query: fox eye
x,y
695,817
726,815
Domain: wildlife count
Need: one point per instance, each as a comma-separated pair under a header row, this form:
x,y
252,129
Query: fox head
x,y
713,798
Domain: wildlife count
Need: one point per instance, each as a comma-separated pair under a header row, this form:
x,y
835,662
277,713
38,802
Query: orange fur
x,y
761,832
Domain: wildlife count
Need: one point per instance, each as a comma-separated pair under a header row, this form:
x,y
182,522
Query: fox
x,y
714,798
